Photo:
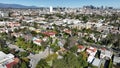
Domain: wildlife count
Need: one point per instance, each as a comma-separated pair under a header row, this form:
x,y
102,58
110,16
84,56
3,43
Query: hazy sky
x,y
64,3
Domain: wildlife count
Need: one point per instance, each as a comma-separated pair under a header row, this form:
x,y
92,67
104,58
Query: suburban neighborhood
x,y
60,37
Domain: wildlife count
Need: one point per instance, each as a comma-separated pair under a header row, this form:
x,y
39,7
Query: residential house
x,y
2,30
96,62
16,34
7,60
106,53
67,31
32,28
88,25
13,24
50,34
71,21
80,48
2,23
116,60
37,41
91,53
61,42
77,26
90,59
27,37
37,30
45,38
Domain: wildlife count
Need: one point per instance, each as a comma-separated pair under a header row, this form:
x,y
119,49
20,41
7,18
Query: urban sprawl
x,y
60,37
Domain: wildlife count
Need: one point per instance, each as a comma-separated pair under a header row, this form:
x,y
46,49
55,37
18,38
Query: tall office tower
x,y
51,9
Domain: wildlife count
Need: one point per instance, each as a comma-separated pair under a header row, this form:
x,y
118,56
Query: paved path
x,y
15,47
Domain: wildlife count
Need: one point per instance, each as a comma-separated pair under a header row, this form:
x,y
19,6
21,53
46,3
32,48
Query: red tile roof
x,y
67,31
80,47
49,33
38,40
10,65
16,60
92,49
103,48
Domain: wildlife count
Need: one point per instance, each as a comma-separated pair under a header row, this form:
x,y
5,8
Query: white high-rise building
x,y
51,9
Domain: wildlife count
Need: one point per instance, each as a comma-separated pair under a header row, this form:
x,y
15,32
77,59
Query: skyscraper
x,y
51,9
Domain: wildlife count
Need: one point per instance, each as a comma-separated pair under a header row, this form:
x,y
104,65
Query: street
x,y
34,59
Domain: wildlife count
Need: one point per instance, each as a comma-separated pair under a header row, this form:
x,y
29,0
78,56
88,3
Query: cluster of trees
x,y
73,49
54,45
90,31
113,39
29,46
42,64
47,63
4,48
60,15
88,39
69,60
89,17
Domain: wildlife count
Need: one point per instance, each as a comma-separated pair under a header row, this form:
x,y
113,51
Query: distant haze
x,y
15,6
65,3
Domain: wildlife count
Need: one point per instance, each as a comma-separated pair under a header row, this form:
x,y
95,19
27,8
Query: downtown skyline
x,y
64,3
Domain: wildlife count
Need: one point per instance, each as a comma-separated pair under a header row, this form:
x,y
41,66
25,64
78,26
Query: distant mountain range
x,y
2,5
